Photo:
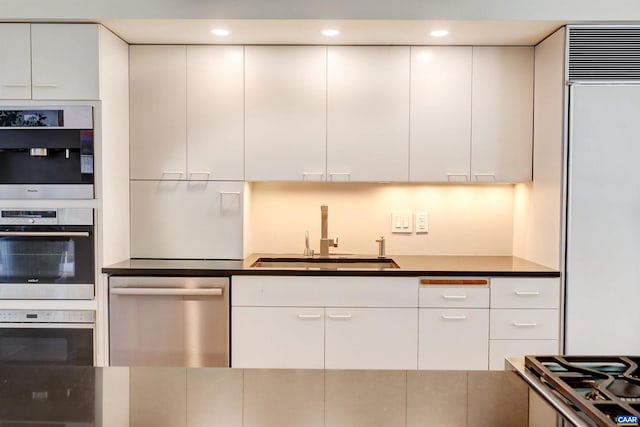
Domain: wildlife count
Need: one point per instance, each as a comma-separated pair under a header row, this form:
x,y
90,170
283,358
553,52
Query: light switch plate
x,y
402,222
422,222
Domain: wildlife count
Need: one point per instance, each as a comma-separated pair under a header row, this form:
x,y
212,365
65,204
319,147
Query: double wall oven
x,y
47,254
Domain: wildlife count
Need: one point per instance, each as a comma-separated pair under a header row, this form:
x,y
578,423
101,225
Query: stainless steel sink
x,y
326,263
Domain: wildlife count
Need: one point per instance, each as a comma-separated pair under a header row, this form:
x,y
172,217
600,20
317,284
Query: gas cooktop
x,y
603,390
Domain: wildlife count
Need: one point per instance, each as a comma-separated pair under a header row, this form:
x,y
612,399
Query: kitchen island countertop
x,y
409,265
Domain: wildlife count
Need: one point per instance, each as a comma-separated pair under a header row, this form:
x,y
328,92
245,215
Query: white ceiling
x,y
352,32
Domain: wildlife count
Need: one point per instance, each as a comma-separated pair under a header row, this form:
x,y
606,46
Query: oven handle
x,y
167,292
44,233
44,325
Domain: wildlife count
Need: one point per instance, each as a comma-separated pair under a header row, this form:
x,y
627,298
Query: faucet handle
x,y
381,248
334,242
308,252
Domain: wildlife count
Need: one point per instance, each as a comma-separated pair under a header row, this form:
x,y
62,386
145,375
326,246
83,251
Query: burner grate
x,y
601,387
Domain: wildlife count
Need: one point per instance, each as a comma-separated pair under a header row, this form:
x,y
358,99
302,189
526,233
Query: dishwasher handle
x,y
170,292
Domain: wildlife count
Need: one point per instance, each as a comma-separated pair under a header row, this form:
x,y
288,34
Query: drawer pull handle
x,y
527,293
47,85
14,85
454,317
454,282
525,324
206,173
340,316
309,316
455,297
306,176
457,175
345,175
172,172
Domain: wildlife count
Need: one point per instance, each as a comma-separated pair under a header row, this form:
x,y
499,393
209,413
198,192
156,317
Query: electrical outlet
x,y
401,222
422,222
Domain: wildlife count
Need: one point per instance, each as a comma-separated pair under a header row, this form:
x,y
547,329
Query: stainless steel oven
x,y
46,337
56,396
46,152
47,253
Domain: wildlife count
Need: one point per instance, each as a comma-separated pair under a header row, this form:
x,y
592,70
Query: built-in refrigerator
x,y
602,271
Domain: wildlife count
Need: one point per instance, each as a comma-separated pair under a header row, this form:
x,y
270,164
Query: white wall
x,y
625,10
463,220
538,205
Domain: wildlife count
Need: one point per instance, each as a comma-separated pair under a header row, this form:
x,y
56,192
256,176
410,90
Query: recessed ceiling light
x,y
439,33
220,32
330,32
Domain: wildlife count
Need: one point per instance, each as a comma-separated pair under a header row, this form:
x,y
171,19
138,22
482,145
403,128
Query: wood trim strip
x,y
454,282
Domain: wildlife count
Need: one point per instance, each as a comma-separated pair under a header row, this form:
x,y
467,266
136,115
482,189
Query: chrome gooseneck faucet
x,y
325,241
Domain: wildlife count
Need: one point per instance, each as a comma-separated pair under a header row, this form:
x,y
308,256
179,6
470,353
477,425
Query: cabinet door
x,y
285,116
368,113
15,67
215,110
186,219
502,114
371,338
276,337
158,112
65,61
440,138
453,339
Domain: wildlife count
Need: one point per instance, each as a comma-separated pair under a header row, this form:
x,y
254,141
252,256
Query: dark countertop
x,y
409,265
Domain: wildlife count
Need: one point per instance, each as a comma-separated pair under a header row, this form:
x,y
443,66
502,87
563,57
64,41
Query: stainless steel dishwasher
x,y
169,321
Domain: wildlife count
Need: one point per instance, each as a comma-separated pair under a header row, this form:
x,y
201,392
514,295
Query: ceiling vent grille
x,y
604,53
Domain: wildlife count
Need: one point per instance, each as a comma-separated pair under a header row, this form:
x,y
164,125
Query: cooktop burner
x,y
606,389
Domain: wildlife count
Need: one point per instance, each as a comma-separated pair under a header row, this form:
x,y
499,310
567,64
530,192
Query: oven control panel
x,y
47,316
60,216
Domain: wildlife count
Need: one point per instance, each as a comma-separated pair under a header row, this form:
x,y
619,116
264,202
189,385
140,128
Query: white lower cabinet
x,y
453,338
371,338
324,322
525,318
277,337
454,326
337,322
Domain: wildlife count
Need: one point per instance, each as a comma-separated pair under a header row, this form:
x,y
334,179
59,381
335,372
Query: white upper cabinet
x,y
368,113
286,113
186,112
15,63
65,61
49,61
502,114
158,112
215,110
440,114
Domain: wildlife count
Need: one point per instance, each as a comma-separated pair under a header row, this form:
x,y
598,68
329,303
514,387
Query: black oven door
x,y
46,262
46,345
58,396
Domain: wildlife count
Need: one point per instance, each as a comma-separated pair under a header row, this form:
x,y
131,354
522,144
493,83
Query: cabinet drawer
x,y
501,349
525,293
454,296
524,324
335,291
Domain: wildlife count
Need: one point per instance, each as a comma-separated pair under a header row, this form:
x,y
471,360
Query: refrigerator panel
x,y
603,221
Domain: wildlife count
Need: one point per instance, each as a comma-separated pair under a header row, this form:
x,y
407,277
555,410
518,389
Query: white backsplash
x,y
463,219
